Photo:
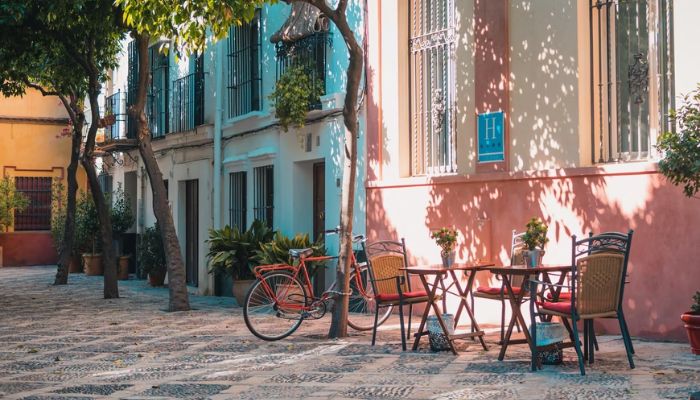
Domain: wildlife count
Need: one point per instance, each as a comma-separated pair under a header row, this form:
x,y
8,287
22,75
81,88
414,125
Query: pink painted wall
x,y
27,248
485,208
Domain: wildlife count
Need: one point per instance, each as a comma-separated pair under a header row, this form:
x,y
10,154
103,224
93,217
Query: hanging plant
x,y
294,92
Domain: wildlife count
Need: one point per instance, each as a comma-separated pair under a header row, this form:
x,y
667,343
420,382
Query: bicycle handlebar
x,y
355,238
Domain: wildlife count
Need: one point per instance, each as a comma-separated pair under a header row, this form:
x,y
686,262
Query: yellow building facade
x,y
35,141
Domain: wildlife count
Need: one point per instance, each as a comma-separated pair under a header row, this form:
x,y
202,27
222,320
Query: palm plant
x,y
232,252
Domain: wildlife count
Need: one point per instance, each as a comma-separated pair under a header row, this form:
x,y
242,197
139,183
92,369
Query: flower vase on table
x,y
448,258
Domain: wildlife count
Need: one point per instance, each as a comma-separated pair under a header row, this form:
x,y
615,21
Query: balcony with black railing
x,y
116,118
310,52
187,102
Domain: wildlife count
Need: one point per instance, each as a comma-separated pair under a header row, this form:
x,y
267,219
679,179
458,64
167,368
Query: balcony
x,y
187,102
310,52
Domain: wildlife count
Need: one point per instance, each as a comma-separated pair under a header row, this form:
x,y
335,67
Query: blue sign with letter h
x,y
490,129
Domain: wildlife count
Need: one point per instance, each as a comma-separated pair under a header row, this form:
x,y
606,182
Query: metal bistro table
x,y
516,299
439,272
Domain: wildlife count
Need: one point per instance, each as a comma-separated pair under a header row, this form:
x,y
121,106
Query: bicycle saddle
x,y
300,252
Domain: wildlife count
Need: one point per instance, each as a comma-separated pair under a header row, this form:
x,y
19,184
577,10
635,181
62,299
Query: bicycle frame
x,y
261,270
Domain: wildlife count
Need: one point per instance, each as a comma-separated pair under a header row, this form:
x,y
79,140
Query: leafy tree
x,y
187,24
681,162
63,48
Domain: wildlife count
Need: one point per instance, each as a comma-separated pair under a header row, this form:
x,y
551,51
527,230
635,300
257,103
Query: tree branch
x,y
44,91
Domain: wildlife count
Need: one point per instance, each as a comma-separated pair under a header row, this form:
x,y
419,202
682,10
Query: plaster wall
x,y
572,202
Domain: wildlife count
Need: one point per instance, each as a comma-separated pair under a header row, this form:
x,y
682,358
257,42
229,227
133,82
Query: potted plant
x,y
10,201
151,256
87,228
692,324
231,253
446,238
295,91
122,220
534,239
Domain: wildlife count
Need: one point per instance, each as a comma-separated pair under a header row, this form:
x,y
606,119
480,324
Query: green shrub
x,y
535,234
87,225
681,161
277,251
122,215
294,92
150,252
10,201
232,252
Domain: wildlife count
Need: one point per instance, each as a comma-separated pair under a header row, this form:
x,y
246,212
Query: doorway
x,y
319,216
192,232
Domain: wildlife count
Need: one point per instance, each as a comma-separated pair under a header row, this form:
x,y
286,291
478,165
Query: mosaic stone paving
x,y
69,343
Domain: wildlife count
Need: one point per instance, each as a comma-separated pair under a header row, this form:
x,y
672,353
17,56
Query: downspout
x,y
217,133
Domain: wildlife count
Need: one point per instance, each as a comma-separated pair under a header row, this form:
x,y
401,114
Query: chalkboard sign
x,y
490,129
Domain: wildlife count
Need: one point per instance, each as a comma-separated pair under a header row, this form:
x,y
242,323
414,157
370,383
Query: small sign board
x,y
490,133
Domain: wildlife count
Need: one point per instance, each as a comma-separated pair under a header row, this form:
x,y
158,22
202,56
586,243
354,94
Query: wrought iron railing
x,y
187,102
115,112
310,52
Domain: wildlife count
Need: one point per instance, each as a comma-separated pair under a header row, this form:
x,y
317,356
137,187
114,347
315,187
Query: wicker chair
x,y
598,270
391,285
498,293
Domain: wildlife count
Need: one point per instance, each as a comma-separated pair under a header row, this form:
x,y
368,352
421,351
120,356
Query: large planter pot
x,y
692,326
240,289
93,264
123,271
156,279
75,266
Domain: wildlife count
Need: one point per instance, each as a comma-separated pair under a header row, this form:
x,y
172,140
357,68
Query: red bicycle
x,y
282,296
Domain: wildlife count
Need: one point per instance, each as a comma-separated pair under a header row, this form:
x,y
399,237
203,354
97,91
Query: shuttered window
x,y
263,198
244,68
237,200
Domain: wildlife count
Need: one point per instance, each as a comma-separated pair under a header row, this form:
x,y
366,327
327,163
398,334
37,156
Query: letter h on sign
x,y
490,134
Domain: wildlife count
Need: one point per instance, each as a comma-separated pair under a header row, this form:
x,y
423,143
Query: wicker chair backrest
x,y
384,267
598,282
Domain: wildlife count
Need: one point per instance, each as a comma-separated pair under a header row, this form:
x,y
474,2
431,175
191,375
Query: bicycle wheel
x,y
273,306
362,306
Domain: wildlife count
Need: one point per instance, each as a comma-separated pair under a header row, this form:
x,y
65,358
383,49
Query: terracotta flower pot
x,y
93,264
240,289
123,271
692,326
75,265
156,279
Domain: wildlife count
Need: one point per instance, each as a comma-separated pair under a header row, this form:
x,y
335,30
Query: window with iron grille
x,y
432,60
116,105
263,198
37,216
632,89
244,68
132,80
157,109
237,200
311,52
188,98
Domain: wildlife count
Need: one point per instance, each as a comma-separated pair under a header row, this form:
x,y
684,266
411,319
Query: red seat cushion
x,y
495,290
562,296
563,307
406,295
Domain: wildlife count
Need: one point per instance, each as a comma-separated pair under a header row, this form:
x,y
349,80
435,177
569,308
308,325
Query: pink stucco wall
x,y
665,257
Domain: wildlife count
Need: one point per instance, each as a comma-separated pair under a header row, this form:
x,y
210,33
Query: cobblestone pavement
x,y
68,343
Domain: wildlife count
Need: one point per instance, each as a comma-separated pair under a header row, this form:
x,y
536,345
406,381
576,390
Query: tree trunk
x,y
109,262
177,285
66,251
339,321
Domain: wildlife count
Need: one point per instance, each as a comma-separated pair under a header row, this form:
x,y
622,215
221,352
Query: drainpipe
x,y
218,92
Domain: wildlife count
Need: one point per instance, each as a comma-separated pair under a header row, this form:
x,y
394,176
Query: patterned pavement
x,y
69,343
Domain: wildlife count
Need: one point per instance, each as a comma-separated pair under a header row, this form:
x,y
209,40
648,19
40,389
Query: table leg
x,y
431,299
463,304
438,315
517,316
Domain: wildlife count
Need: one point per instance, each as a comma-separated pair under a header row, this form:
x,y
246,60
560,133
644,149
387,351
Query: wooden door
x,y
192,231
319,210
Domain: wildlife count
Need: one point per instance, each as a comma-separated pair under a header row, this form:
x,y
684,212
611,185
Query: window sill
x,y
632,168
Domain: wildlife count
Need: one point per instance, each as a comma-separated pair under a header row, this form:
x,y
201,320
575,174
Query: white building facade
x,y
222,152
